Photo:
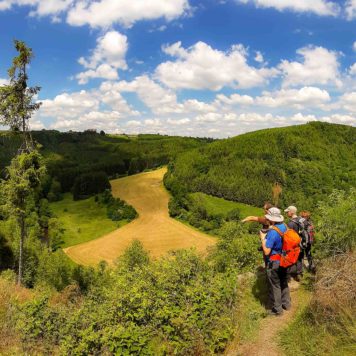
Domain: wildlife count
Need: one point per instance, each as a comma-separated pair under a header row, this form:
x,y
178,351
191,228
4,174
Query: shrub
x,y
336,225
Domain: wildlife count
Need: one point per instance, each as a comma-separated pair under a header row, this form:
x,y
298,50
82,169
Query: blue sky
x,y
186,67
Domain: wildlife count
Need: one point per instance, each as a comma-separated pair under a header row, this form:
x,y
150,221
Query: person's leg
x,y
285,294
300,265
274,285
310,258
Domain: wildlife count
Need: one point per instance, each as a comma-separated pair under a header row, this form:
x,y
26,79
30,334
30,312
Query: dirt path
x,y
266,342
154,228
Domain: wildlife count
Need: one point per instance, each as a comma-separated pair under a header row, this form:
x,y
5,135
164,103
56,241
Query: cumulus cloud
x,y
235,99
104,13
3,81
348,102
202,67
303,98
158,99
319,7
350,9
318,66
97,108
259,57
106,59
41,8
352,69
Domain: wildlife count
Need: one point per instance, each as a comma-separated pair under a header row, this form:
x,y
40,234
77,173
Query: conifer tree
x,y
26,170
16,98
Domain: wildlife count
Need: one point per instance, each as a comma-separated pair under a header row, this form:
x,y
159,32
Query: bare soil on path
x,y
157,231
266,341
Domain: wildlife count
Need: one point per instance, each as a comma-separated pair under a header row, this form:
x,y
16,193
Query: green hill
x,y
301,164
70,154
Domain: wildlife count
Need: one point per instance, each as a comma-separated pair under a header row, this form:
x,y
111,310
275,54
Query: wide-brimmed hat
x,y
274,214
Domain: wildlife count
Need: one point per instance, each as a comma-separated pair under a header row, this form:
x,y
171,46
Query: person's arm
x,y
265,249
250,218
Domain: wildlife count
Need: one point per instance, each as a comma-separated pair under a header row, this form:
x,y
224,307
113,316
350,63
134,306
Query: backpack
x,y
290,247
306,231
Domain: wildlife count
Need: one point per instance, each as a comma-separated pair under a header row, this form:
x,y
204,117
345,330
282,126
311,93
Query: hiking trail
x,y
266,341
157,231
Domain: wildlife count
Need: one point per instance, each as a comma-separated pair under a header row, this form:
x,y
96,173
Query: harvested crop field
x,y
158,232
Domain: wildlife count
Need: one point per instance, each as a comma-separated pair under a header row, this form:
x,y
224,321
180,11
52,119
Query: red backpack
x,y
290,247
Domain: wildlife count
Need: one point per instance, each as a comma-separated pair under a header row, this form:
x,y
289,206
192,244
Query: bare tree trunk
x,y
22,239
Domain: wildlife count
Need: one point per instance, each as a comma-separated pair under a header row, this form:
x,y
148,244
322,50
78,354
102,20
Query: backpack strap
x,y
275,228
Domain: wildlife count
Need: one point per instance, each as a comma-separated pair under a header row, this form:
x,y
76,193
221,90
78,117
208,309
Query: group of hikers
x,y
284,247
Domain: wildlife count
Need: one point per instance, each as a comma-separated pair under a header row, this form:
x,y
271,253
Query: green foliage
x,y
177,305
117,209
307,162
16,98
236,248
55,192
135,256
70,154
89,184
54,269
337,224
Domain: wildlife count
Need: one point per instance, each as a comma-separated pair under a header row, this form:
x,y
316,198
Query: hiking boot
x,y
286,307
274,312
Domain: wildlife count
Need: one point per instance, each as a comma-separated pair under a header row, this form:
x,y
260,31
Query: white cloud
x,y
106,59
354,46
159,100
235,99
352,69
303,98
259,57
97,108
350,9
104,13
319,66
319,7
41,7
348,102
3,81
202,67
178,121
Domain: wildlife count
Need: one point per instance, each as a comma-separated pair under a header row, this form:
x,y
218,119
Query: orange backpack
x,y
290,247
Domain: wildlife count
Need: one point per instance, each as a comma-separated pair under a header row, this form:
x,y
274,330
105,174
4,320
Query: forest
x,y
297,165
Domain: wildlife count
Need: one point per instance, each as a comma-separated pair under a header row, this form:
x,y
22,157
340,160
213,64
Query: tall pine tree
x,y
26,170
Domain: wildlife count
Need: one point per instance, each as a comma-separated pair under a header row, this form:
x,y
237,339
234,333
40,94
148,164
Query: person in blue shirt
x,y
277,278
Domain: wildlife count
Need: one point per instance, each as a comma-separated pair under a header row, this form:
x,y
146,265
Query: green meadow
x,y
83,220
221,206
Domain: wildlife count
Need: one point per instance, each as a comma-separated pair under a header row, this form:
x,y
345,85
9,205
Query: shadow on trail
x,y
260,287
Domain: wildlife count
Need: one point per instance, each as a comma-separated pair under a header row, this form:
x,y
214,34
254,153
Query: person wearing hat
x,y
279,296
292,214
294,224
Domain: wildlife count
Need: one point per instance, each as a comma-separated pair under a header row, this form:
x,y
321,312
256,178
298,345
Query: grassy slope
x,y
83,220
215,205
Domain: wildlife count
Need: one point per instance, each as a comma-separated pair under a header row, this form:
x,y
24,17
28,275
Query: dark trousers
x,y
278,286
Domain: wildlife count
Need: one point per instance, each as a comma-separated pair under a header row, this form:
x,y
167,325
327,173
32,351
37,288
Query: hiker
x,y
297,271
271,242
261,219
307,236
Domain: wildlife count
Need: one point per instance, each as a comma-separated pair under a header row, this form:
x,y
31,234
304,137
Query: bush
x,y
177,305
336,225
